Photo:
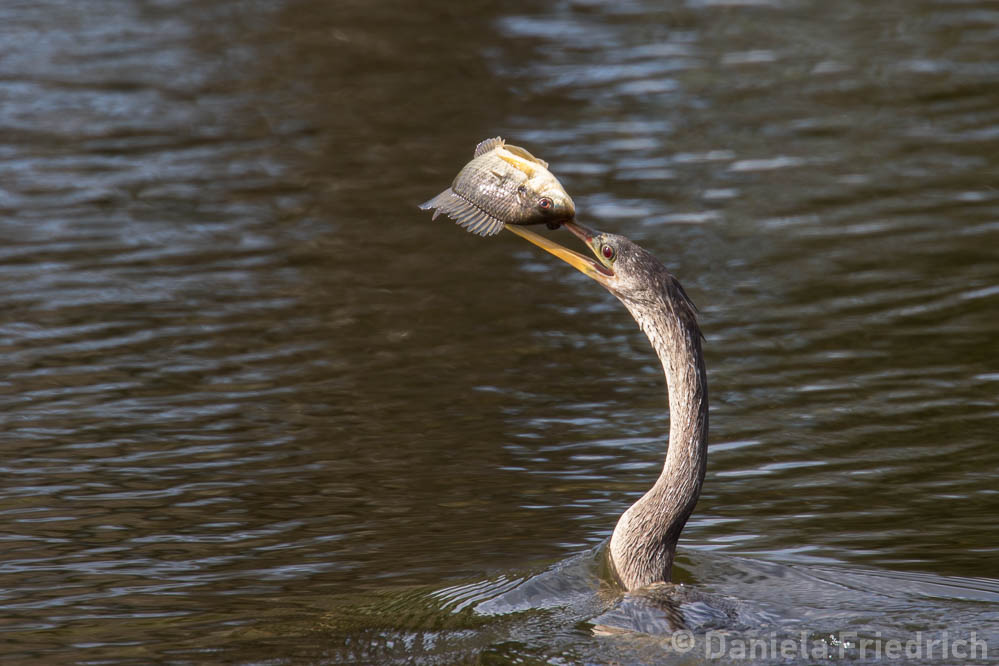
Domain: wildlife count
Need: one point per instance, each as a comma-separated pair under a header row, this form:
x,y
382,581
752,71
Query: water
x,y
256,407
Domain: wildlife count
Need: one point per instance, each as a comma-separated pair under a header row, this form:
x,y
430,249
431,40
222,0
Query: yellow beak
x,y
582,263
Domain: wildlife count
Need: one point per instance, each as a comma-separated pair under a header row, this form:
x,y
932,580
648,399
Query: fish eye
x,y
607,251
545,203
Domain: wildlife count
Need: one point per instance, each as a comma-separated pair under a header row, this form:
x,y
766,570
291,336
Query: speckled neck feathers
x,y
644,540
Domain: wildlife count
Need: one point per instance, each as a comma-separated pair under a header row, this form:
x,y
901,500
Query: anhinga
x,y
644,540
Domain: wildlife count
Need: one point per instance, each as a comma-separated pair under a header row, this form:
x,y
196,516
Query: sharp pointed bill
x,y
597,270
503,184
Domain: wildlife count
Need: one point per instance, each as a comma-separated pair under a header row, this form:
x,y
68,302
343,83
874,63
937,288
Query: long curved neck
x,y
644,540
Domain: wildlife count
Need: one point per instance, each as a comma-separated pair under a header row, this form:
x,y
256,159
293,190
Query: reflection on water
x,y
257,405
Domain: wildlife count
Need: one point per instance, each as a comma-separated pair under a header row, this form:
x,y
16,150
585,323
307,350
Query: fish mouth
x,y
585,265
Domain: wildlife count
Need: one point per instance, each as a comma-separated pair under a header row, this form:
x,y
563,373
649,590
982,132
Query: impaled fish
x,y
503,184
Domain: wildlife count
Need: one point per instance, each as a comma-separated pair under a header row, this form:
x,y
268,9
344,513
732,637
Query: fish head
x,y
545,200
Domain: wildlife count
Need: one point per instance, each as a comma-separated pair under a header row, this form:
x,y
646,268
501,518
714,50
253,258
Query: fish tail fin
x,y
436,201
466,214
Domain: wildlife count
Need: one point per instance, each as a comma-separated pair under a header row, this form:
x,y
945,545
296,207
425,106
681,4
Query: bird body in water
x,y
503,184
644,541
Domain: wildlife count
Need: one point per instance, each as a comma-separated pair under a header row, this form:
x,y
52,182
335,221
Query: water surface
x,y
257,406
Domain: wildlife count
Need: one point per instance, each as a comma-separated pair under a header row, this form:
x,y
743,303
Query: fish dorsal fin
x,y
521,152
488,144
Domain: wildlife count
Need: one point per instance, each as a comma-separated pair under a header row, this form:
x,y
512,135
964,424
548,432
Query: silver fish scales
x,y
503,184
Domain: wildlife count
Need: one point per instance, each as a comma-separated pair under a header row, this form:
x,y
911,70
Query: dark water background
x,y
256,407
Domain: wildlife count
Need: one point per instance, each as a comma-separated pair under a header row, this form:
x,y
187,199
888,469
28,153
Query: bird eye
x,y
607,251
545,203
